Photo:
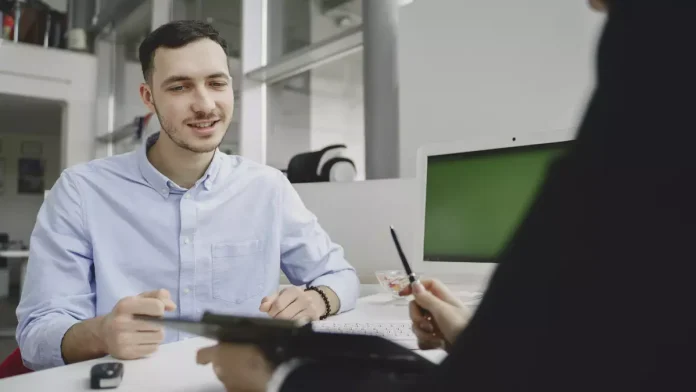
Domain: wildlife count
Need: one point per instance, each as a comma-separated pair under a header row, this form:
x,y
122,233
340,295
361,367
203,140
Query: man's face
x,y
190,89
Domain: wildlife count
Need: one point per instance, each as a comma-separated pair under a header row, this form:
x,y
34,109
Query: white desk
x,y
173,367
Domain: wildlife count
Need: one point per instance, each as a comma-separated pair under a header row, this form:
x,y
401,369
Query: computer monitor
x,y
474,195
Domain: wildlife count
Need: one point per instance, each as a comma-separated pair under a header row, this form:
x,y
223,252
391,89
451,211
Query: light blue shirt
x,y
116,227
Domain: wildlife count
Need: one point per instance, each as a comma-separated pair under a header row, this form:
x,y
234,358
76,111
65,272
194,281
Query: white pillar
x,y
253,121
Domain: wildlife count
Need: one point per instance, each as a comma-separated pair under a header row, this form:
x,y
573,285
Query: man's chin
x,y
200,146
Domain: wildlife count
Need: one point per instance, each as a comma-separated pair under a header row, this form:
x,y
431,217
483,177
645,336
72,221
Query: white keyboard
x,y
396,331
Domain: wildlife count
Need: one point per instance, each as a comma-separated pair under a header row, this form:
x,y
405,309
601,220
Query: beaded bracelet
x,y
324,298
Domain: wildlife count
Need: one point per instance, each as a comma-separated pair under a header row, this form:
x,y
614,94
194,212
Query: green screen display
x,y
476,200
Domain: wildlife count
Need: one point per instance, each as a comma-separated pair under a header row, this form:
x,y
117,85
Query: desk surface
x,y
173,367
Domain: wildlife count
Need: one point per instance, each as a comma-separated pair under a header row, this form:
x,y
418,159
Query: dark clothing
x,y
596,289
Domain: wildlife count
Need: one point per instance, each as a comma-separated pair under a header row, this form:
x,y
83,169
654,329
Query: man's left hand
x,y
293,303
240,367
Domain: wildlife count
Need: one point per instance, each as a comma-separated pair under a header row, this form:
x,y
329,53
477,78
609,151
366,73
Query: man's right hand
x,y
126,338
447,315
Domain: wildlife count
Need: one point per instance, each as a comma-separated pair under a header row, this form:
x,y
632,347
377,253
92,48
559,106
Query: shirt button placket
x,y
187,278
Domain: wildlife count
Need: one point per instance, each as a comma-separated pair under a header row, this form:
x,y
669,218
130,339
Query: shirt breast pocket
x,y
238,270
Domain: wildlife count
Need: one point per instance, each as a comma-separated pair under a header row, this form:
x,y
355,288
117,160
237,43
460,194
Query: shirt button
x,y
164,190
186,240
186,291
187,196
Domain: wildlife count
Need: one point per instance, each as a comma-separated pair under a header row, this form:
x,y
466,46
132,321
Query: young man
x,y
174,227
595,291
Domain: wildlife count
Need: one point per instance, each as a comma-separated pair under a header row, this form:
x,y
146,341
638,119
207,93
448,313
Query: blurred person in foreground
x,y
594,292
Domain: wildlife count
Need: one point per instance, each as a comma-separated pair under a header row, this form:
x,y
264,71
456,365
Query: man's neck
x,y
182,166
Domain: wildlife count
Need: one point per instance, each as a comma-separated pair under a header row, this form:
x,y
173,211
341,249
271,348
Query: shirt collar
x,y
164,185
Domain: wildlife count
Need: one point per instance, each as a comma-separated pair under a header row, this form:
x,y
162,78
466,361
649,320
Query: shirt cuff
x,y
346,286
281,374
47,352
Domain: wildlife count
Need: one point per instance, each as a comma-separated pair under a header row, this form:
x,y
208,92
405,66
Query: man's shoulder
x,y
97,168
253,170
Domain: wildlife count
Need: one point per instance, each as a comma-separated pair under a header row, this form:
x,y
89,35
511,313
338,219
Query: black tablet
x,y
282,340
233,329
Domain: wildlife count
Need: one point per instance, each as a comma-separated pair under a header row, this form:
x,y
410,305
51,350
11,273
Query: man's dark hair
x,y
175,35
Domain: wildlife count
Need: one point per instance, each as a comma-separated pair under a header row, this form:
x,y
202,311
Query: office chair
x,y
13,365
325,165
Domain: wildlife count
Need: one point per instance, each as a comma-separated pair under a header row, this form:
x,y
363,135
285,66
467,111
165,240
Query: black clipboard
x,y
282,340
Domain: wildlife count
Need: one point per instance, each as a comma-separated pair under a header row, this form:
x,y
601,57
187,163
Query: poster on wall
x,y
30,176
2,176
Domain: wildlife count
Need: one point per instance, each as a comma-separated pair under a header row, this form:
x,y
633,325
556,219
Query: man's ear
x,y
146,96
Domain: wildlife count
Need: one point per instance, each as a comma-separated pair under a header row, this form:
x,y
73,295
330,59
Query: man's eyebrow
x,y
175,78
218,75
180,78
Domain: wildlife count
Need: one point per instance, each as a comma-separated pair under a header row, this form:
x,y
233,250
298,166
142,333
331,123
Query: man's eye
x,y
219,84
176,88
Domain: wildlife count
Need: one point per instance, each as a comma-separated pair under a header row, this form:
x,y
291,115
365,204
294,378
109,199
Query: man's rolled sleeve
x,y
41,348
58,290
308,256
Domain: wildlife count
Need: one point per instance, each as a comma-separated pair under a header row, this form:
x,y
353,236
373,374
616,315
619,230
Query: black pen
x,y
411,275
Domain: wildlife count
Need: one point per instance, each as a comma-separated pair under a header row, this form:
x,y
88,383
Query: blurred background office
x,y
326,91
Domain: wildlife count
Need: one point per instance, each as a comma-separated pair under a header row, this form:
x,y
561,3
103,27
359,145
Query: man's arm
x,y
82,341
57,291
309,257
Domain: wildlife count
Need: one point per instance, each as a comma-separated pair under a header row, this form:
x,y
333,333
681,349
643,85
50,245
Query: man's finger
x,y
305,316
157,294
284,300
291,311
267,302
141,306
144,326
149,337
206,355
162,295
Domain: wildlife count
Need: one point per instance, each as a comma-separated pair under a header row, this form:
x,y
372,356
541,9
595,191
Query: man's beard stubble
x,y
171,132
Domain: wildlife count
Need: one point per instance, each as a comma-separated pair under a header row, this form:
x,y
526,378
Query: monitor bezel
x,y
444,269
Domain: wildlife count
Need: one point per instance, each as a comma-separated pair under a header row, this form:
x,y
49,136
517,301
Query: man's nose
x,y
203,102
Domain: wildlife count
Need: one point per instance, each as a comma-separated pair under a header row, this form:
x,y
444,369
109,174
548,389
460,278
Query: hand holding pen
x,y
438,316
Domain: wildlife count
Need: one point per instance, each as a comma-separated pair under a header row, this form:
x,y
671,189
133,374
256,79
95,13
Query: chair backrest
x,y
303,167
13,365
315,166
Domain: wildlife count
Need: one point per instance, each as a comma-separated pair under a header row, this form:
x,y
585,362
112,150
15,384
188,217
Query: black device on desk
x,y
106,375
282,340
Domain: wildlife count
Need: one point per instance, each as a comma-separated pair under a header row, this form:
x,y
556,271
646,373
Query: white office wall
x,y
357,216
18,211
61,75
503,67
